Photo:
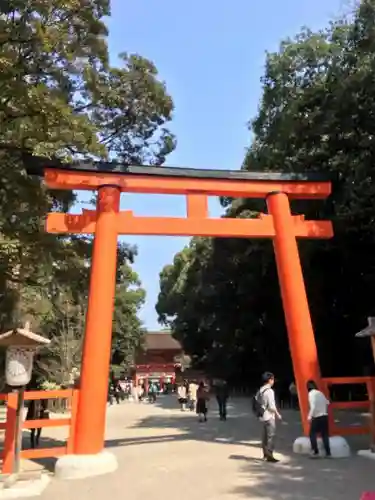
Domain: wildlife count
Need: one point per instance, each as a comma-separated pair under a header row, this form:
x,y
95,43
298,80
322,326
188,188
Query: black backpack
x,y
258,408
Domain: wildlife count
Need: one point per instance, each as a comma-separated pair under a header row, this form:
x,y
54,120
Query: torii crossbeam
x,y
107,222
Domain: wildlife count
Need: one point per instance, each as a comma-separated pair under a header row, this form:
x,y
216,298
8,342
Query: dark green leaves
x,y
59,97
316,114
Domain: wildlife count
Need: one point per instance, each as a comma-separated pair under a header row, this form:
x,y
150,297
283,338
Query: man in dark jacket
x,y
222,393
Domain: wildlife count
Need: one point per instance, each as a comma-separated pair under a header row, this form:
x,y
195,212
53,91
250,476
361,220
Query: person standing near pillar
x,y
318,417
266,399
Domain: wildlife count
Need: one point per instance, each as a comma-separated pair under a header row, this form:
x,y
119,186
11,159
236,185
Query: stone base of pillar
x,y
339,446
366,454
25,489
82,466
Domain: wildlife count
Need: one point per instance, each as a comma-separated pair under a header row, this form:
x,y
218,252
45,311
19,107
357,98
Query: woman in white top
x,y
318,416
182,394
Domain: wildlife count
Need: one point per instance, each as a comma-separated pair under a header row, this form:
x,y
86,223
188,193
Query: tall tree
x,y
60,97
315,115
128,331
57,309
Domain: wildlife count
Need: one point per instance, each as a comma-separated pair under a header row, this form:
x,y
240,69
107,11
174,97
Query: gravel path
x,y
164,453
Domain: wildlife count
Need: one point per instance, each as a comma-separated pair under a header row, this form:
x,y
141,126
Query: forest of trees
x,y
61,98
221,296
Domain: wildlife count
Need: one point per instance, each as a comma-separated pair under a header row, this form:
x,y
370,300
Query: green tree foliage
x,y
316,114
127,327
60,97
60,308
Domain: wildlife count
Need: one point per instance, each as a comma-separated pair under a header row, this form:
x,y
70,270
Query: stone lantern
x,y
21,345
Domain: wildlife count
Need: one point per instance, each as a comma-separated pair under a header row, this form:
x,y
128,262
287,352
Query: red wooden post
x,y
296,306
73,421
92,403
370,385
10,433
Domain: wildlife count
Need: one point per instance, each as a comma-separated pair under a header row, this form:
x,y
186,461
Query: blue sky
x,y
211,56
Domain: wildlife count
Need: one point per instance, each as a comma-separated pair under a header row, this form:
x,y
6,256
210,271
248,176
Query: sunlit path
x,y
164,453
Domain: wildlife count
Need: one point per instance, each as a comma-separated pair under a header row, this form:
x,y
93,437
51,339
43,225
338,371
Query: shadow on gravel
x,y
304,479
295,478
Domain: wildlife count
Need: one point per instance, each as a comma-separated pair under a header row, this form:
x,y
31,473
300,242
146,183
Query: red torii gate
x,y
107,222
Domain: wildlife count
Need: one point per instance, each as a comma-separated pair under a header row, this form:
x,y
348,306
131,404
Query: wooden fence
x,y
365,405
9,426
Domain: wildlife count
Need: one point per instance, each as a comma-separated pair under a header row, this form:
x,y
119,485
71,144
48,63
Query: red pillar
x,y
91,412
296,308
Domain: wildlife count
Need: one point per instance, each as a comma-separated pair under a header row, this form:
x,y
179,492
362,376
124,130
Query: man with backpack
x,y
264,407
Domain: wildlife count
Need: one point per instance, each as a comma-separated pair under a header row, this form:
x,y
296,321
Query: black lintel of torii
x,y
35,165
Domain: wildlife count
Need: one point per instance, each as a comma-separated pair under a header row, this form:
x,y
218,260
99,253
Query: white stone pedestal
x,y
366,454
25,489
339,446
82,466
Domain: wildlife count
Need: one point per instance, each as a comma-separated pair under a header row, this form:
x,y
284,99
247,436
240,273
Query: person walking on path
x,y
134,392
182,394
268,415
37,410
222,394
113,393
152,391
192,394
141,392
318,416
202,399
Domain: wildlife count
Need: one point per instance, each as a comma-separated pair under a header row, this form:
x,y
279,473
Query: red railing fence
x,y
365,405
9,426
